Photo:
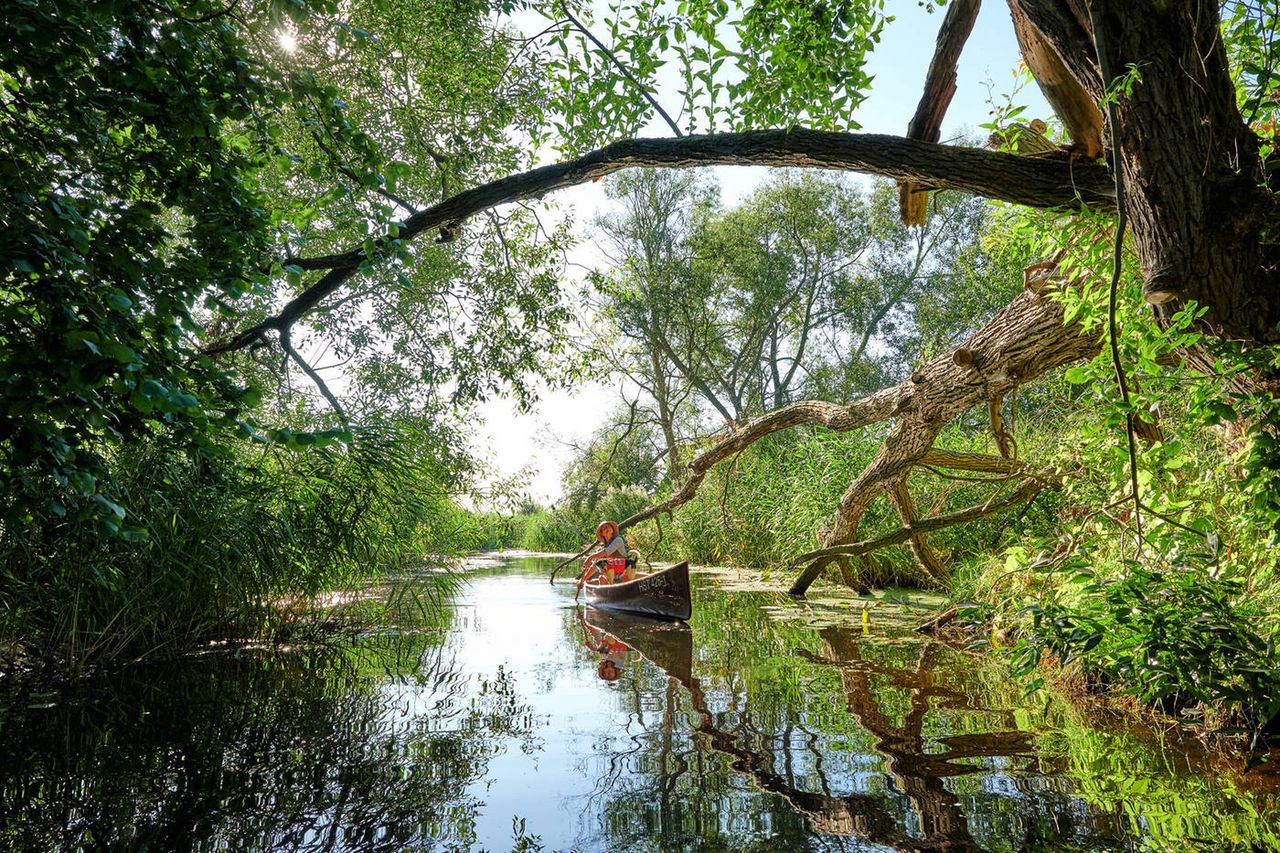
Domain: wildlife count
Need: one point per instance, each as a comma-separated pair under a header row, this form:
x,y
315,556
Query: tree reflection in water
x,y
914,719
768,734
368,748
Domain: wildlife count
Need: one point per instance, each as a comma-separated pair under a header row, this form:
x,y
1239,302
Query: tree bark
x,y
939,89
1077,109
1195,188
926,557
666,417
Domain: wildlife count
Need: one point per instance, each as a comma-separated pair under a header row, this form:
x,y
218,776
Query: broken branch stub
x,y
939,89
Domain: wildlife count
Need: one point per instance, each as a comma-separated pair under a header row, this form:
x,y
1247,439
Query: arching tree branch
x,y
1022,180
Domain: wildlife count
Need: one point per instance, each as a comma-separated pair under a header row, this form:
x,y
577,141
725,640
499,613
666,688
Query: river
x,y
514,720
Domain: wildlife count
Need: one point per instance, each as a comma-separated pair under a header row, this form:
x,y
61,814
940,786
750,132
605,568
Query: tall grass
x,y
568,527
228,537
767,505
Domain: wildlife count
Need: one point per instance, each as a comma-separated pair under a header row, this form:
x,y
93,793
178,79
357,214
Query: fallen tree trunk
x,y
1023,341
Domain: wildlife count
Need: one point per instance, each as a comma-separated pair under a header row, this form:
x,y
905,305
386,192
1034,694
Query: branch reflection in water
x,y
763,726
913,811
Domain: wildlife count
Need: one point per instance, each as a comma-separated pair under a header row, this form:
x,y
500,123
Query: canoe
x,y
664,594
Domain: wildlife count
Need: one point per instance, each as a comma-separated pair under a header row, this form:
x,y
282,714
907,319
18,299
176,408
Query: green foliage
x,y
566,528
739,65
617,458
1249,33
810,287
1162,596
166,172
1176,639
432,99
235,541
765,506
550,531
130,202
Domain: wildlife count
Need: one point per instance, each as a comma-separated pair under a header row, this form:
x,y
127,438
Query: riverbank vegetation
x,y
165,168
262,260
1165,597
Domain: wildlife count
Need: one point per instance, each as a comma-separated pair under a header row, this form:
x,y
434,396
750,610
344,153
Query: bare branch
x,y
1027,490
969,461
287,346
920,547
626,72
939,89
868,410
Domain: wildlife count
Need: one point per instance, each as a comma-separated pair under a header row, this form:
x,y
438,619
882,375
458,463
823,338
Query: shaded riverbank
x,y
516,717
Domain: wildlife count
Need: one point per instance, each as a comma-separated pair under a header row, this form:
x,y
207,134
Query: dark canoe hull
x,y
664,594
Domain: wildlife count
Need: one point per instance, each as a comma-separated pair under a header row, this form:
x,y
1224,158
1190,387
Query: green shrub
x,y
1176,639
229,538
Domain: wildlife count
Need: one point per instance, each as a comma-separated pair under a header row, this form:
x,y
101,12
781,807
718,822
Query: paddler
x,y
612,554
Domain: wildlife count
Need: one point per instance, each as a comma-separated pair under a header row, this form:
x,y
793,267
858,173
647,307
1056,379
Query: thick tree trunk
x,y
666,418
1194,186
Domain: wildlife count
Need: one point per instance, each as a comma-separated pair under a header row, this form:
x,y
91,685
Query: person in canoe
x,y
608,563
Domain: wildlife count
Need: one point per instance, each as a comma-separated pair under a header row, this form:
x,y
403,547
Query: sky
x,y
536,445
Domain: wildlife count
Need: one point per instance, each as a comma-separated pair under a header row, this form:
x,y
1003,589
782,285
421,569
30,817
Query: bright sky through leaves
x,y
529,442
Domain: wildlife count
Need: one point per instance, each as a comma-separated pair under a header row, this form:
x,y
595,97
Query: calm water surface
x,y
522,722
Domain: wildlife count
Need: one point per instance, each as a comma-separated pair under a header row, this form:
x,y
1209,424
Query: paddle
x,y
579,555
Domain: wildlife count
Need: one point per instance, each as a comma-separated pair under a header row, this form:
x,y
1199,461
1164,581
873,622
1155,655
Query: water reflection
x,y
934,818
599,732
304,750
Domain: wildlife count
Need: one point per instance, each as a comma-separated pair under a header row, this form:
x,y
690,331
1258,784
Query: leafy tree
x,y
164,169
623,454
644,295
770,276
806,288
131,202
